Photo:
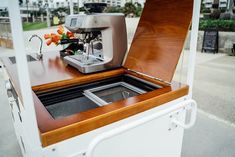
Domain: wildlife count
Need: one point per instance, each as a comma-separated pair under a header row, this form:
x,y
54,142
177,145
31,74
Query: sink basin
x,y
29,59
71,106
106,94
71,100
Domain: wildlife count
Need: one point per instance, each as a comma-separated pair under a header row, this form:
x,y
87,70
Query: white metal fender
x,y
114,132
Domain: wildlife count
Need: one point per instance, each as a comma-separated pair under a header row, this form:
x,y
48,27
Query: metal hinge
x,y
158,79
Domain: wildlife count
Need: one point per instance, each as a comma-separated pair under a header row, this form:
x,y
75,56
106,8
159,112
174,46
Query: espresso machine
x,y
104,40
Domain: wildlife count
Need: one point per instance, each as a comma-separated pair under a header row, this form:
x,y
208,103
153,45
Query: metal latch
x,y
190,119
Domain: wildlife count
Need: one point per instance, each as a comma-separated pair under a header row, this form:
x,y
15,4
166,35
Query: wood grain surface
x,y
160,36
52,72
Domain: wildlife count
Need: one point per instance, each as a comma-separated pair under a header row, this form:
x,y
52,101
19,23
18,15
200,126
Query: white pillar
x,y
193,45
33,18
228,4
71,6
48,18
42,18
31,127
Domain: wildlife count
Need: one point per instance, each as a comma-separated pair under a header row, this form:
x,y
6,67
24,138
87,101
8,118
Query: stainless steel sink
x,y
107,94
71,106
29,59
71,100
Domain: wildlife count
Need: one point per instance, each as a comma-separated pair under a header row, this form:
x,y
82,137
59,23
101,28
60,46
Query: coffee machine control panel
x,y
74,23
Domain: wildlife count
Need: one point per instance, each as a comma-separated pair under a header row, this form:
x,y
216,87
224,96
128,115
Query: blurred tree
x,y
129,8
138,9
61,11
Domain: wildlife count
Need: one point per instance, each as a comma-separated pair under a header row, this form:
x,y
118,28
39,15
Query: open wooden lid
x,y
159,38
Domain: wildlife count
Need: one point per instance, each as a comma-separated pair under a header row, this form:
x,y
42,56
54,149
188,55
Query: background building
x,y
42,10
32,4
50,3
219,3
114,3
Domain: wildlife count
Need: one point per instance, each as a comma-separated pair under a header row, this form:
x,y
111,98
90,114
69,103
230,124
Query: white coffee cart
x,y
149,125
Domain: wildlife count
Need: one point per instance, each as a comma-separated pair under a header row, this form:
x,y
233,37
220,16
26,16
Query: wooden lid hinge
x,y
158,79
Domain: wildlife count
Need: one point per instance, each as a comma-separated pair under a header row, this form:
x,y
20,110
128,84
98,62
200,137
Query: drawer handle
x,y
20,117
22,143
8,85
12,100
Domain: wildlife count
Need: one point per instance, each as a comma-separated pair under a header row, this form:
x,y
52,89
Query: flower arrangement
x,y
56,38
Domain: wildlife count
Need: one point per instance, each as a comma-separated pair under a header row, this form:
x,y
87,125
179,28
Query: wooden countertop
x,y
52,73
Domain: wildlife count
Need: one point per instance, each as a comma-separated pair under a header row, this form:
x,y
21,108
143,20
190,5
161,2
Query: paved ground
x,y
214,84
214,132
209,138
215,87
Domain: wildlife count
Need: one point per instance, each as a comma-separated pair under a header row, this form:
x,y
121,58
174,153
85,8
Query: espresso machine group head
x,y
104,38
